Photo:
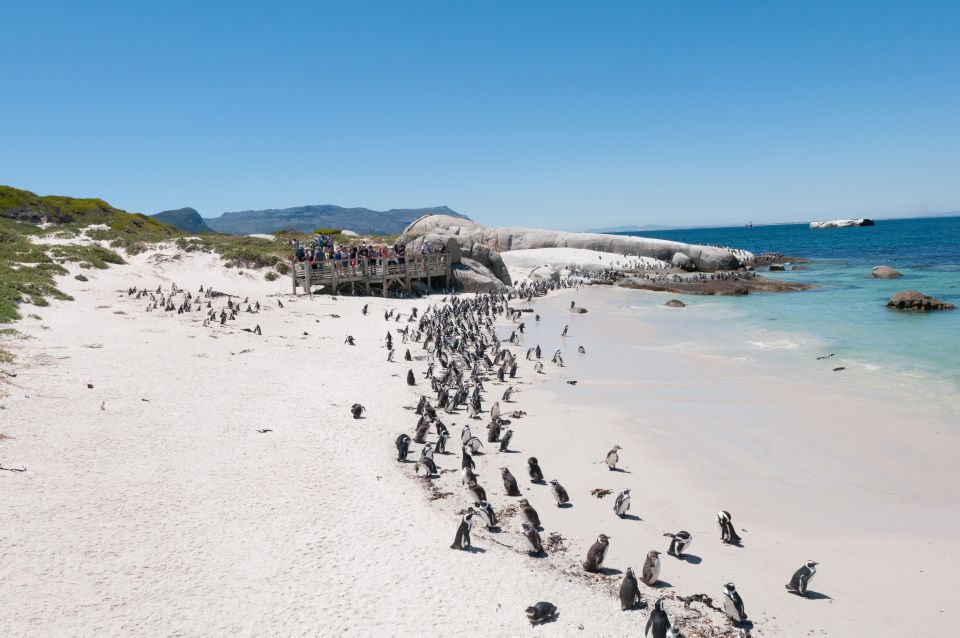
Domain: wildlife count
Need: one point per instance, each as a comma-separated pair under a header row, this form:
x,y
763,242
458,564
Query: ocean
x,y
845,315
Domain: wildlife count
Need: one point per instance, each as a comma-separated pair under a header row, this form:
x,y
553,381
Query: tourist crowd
x,y
323,249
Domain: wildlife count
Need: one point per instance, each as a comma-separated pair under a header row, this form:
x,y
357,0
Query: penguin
x,y
533,539
622,504
529,513
801,578
487,515
462,539
505,440
559,493
651,568
390,356
733,604
657,624
538,368
427,451
474,444
442,442
507,393
411,380
426,465
612,457
403,447
407,356
674,632
536,474
467,460
467,476
541,612
493,432
357,410
564,333
420,435
581,350
509,482
465,434
679,543
477,490
727,532
364,309
596,554
629,591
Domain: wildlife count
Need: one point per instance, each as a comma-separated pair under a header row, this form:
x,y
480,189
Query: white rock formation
x,y
842,223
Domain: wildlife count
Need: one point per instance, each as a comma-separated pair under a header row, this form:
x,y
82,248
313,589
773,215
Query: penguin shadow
x,y
496,529
813,595
475,550
540,482
662,584
551,619
610,571
565,506
620,469
746,624
631,517
693,559
508,451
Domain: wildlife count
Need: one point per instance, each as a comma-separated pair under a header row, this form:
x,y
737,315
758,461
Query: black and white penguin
x,y
622,504
467,476
733,604
403,447
727,532
350,341
477,490
407,356
507,393
462,539
467,460
533,539
629,591
801,578
650,573
427,451
657,624
559,493
505,440
679,543
357,410
536,474
613,457
441,447
364,309
465,434
541,612
530,514
425,466
474,444
509,482
487,515
493,432
596,554
420,435
581,350
411,380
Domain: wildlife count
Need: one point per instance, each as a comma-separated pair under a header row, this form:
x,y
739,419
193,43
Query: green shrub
x,y
271,276
80,278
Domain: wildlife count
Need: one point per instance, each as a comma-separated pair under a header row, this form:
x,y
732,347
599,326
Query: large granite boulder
x,y
675,303
917,301
453,247
472,276
885,272
545,272
682,261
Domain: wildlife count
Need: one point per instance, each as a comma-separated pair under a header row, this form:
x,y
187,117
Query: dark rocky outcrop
x,y
917,302
186,219
885,272
675,303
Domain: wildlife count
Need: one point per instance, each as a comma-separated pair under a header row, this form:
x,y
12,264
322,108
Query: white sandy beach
x,y
152,506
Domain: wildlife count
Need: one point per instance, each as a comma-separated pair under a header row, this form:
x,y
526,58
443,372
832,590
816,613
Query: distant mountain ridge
x,y
307,218
186,219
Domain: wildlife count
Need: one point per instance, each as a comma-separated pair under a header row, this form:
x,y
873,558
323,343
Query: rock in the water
x,y
885,272
578,310
675,303
777,267
913,300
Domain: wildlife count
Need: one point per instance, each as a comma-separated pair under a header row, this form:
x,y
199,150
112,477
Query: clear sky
x,y
555,114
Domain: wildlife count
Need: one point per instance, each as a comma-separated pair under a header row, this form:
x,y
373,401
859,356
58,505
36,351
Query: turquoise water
x,y
845,315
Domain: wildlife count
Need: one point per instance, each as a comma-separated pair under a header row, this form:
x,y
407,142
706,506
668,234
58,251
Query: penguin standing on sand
x,y
559,493
622,504
801,578
679,543
536,474
462,539
733,604
403,447
477,490
651,568
629,591
411,380
467,460
533,538
357,410
613,457
442,441
596,554
505,440
487,515
727,532
529,513
657,624
509,482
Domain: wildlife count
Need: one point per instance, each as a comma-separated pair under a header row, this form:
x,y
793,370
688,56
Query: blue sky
x,y
556,114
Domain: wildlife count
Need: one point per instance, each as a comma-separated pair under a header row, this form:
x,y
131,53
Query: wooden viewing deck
x,y
383,273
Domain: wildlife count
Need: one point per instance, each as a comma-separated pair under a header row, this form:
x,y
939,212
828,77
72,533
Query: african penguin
x,y
679,543
596,554
622,504
733,604
629,591
801,578
651,568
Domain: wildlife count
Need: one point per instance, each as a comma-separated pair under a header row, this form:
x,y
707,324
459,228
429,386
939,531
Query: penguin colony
x,y
464,352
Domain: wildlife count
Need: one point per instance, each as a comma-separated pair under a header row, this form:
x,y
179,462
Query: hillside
x,y
306,218
186,219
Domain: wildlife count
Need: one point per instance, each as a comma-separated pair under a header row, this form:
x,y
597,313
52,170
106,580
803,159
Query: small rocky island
x,y
915,301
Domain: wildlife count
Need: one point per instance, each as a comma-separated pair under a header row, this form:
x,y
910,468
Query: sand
x,y
152,506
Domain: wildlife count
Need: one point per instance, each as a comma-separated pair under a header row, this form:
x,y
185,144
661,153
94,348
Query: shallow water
x,y
845,315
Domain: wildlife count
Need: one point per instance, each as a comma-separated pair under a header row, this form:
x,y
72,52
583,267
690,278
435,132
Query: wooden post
x,y
406,275
293,274
366,275
308,275
333,279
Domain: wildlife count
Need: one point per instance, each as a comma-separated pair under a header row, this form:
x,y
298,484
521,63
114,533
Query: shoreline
x,y
158,489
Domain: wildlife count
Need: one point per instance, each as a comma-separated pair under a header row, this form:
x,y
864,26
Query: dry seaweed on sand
x,y
599,492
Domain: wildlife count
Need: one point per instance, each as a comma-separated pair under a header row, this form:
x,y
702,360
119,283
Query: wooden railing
x,y
332,273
